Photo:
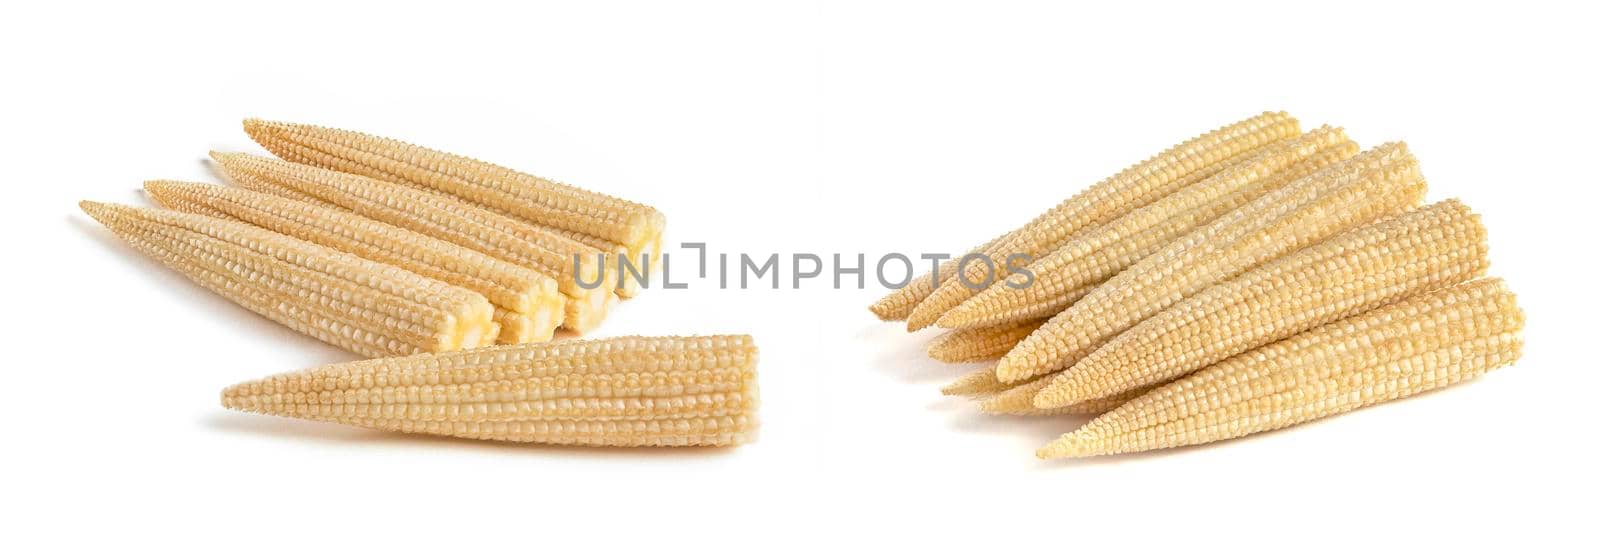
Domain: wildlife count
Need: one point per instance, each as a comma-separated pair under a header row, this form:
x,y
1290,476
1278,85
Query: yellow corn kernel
x,y
446,218
1112,197
517,328
626,391
1374,184
979,344
512,287
1430,248
1423,343
636,226
1092,257
368,308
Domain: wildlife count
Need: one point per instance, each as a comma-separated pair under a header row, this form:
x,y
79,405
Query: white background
x,y
821,127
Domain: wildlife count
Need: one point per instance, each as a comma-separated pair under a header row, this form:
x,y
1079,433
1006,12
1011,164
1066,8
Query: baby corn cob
x,y
1094,256
898,304
627,391
1426,342
979,344
509,286
978,383
635,226
446,218
1376,183
1115,196
1431,248
369,308
642,260
1018,401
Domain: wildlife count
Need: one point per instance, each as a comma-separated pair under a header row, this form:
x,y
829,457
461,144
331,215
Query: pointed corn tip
x,y
1075,444
882,311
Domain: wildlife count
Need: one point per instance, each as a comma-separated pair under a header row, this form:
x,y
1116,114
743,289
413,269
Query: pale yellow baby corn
x,y
1092,257
1018,401
447,218
626,391
978,383
368,308
968,345
641,261
1115,196
1374,184
1430,248
525,291
898,304
635,226
1423,343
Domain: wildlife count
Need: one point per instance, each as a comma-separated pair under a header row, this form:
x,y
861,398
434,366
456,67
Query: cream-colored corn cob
x,y
898,304
978,383
446,218
369,308
525,291
1018,400
635,226
968,345
1092,257
1426,342
1374,184
1430,248
627,391
1115,196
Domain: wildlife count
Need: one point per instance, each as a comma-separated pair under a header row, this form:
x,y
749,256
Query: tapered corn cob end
x,y
627,391
979,344
978,383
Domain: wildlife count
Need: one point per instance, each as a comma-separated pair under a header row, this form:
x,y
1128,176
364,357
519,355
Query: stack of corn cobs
x,y
1249,279
424,260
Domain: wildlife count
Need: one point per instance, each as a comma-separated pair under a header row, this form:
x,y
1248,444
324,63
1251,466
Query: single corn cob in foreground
x,y
635,226
1112,197
1376,183
444,217
1431,248
979,344
369,308
1426,342
1092,257
626,391
514,288
1018,401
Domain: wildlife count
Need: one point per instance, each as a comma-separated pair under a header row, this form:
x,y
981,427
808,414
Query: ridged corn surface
x,y
897,305
969,345
512,287
1437,246
1091,258
1115,196
625,391
524,195
442,217
366,307
1379,182
1426,342
1018,401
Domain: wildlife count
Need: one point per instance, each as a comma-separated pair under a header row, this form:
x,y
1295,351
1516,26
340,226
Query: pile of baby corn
x,y
425,261
1252,278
